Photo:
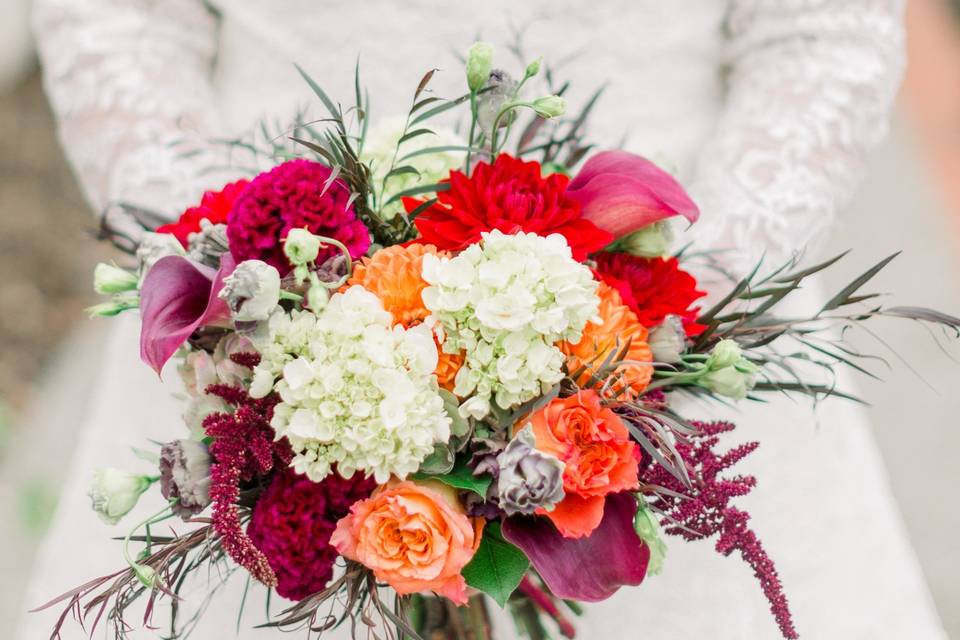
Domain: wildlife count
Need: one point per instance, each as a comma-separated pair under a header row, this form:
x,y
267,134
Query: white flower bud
x,y
729,382
668,340
301,247
115,492
109,278
533,68
725,353
252,291
549,106
652,241
479,63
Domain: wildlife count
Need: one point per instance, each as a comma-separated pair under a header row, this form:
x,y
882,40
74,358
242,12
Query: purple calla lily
x,y
588,569
177,297
622,192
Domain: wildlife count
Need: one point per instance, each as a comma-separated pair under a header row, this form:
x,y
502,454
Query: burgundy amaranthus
x,y
707,511
243,448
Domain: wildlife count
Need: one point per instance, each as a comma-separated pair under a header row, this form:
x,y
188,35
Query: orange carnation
x,y
598,455
393,274
620,326
413,536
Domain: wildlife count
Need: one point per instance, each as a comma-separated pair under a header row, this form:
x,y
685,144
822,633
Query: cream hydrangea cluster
x,y
380,149
505,302
356,392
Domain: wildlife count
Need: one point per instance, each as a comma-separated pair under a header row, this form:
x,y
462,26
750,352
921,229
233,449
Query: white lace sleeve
x,y
130,83
810,87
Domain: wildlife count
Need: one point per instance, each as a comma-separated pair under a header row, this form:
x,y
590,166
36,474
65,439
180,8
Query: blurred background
x,y
910,200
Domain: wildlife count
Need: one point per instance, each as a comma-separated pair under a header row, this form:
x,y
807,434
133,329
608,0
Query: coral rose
x,y
620,327
598,455
413,536
394,275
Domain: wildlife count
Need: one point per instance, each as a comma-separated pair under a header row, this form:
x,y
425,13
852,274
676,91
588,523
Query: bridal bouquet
x,y
415,361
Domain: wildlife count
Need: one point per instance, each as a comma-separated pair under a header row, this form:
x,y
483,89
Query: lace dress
x,y
766,108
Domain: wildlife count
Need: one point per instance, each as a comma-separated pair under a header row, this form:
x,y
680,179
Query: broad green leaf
x,y
460,426
498,567
439,462
460,477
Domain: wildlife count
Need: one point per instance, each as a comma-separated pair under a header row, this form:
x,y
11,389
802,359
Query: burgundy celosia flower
x,y
653,288
509,195
242,449
707,510
215,206
293,195
292,523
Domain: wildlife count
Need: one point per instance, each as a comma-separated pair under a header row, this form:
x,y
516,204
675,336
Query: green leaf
x,y
460,477
451,405
415,133
324,98
498,566
843,296
415,191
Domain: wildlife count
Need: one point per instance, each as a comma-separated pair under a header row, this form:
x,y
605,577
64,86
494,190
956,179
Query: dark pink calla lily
x,y
622,192
588,569
177,297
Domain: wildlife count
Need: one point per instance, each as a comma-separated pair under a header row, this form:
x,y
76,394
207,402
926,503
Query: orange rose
x,y
414,536
620,326
598,456
393,274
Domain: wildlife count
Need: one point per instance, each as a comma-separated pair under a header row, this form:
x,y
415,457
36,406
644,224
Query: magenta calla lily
x,y
588,569
177,297
621,192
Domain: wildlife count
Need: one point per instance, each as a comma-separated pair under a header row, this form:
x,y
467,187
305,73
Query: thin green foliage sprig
x,y
785,348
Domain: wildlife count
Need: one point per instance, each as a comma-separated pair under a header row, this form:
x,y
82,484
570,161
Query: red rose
x,y
214,207
653,288
509,195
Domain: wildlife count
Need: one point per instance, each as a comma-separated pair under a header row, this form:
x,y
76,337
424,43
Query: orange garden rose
x,y
620,325
393,274
413,536
598,455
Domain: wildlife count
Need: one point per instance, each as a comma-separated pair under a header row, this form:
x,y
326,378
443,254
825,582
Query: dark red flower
x,y
653,288
214,206
293,195
292,523
509,195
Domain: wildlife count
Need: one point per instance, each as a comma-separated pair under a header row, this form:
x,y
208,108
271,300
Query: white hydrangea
x,y
506,302
356,392
379,149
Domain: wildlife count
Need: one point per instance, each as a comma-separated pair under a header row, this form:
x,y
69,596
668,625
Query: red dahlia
x,y
292,523
214,206
510,195
653,288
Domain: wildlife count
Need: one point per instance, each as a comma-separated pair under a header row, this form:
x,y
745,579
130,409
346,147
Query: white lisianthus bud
x,y
479,63
109,278
725,353
730,382
668,340
549,106
301,247
114,492
154,246
120,303
652,241
252,291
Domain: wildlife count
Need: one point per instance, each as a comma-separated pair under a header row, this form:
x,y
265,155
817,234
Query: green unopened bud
x,y
730,382
725,353
120,303
533,68
318,295
549,106
301,246
648,529
145,574
479,64
114,492
109,278
653,241
548,168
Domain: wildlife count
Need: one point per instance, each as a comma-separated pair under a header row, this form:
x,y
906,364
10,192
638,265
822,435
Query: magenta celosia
x,y
295,194
292,523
